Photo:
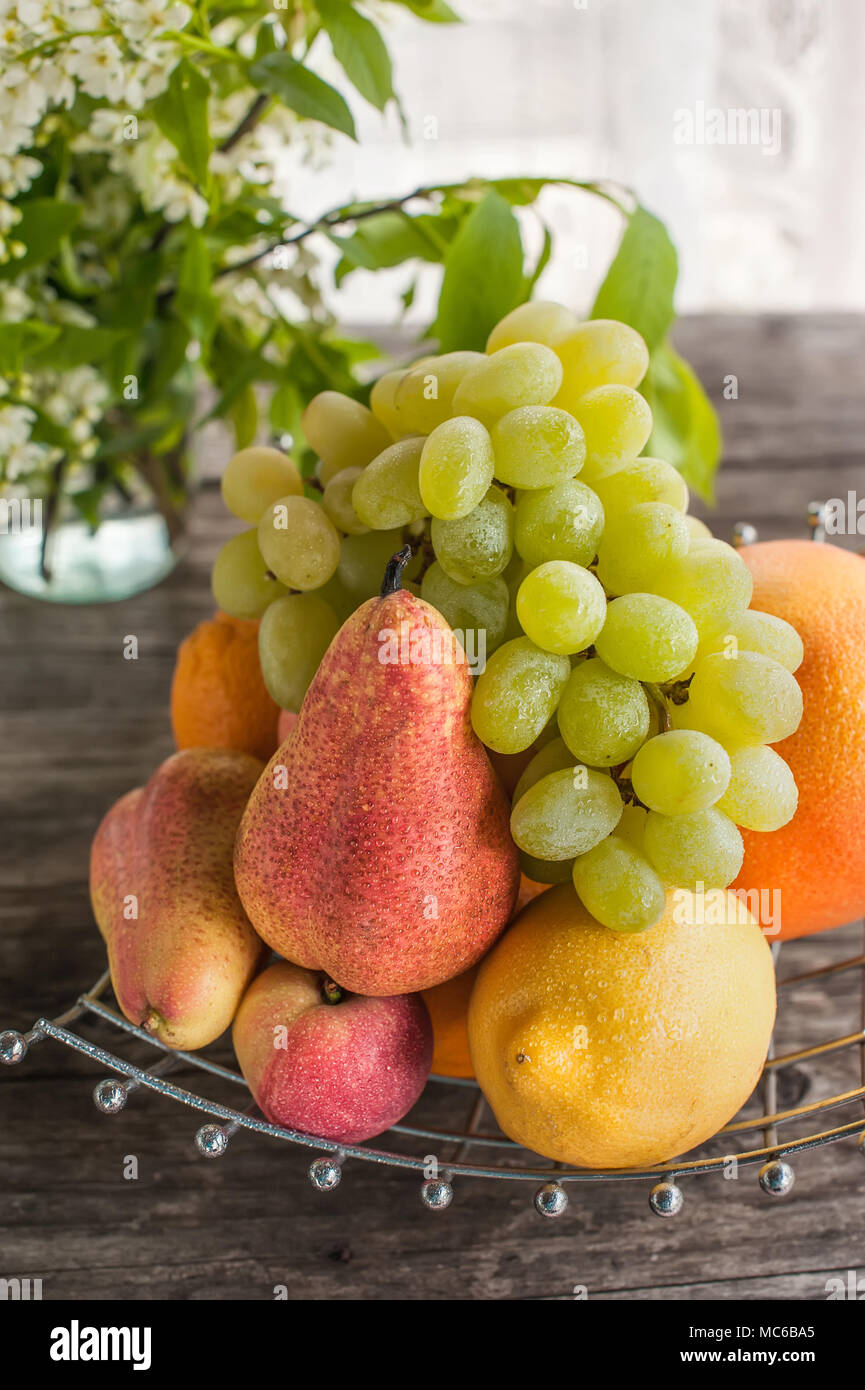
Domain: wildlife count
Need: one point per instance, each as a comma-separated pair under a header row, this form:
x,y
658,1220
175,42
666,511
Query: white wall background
x,y
552,87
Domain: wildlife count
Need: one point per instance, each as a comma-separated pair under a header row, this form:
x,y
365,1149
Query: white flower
x,y
58,85
66,311
17,173
98,66
15,422
9,216
23,459
150,165
140,20
15,304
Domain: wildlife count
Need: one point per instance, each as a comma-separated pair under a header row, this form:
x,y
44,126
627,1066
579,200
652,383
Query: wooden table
x,y
81,725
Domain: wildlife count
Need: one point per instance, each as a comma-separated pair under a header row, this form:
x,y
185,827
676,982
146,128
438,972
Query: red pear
x,y
180,947
376,845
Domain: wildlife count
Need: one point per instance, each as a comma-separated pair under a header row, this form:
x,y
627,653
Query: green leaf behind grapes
x,y
360,50
434,11
638,288
181,114
483,277
302,91
686,431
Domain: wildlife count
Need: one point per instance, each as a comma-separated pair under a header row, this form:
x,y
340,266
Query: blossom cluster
x,y
119,56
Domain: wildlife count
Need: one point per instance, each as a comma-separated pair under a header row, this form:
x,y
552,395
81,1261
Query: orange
x,y
610,1049
816,862
448,1006
218,697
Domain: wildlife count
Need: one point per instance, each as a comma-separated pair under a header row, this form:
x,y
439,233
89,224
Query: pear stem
x,y
392,582
331,992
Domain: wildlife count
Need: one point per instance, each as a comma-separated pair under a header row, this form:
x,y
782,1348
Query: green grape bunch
x,y
623,666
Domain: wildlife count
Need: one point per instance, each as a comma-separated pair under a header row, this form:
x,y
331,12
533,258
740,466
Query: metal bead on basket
x,y
436,1194
777,1178
551,1199
13,1048
325,1173
110,1096
211,1141
666,1199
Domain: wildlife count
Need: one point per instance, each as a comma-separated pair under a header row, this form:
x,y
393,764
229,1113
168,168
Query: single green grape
x,y
599,352
257,477
242,584
342,432
360,570
647,637
424,397
710,581
382,402
762,794
638,545
546,870
744,701
616,423
538,321
338,504
566,813
644,480
479,545
618,886
470,609
456,468
603,717
680,771
387,493
537,446
753,631
697,529
514,376
516,695
561,607
564,522
552,757
700,850
294,635
299,542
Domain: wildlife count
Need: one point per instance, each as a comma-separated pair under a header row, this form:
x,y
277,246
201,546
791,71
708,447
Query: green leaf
x,y
194,303
75,346
435,11
88,503
286,408
392,238
244,417
360,50
639,284
302,91
483,277
686,431
43,225
181,114
542,263
20,340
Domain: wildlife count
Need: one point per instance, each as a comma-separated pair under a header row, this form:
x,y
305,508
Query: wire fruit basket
x,y
477,1152
764,1116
